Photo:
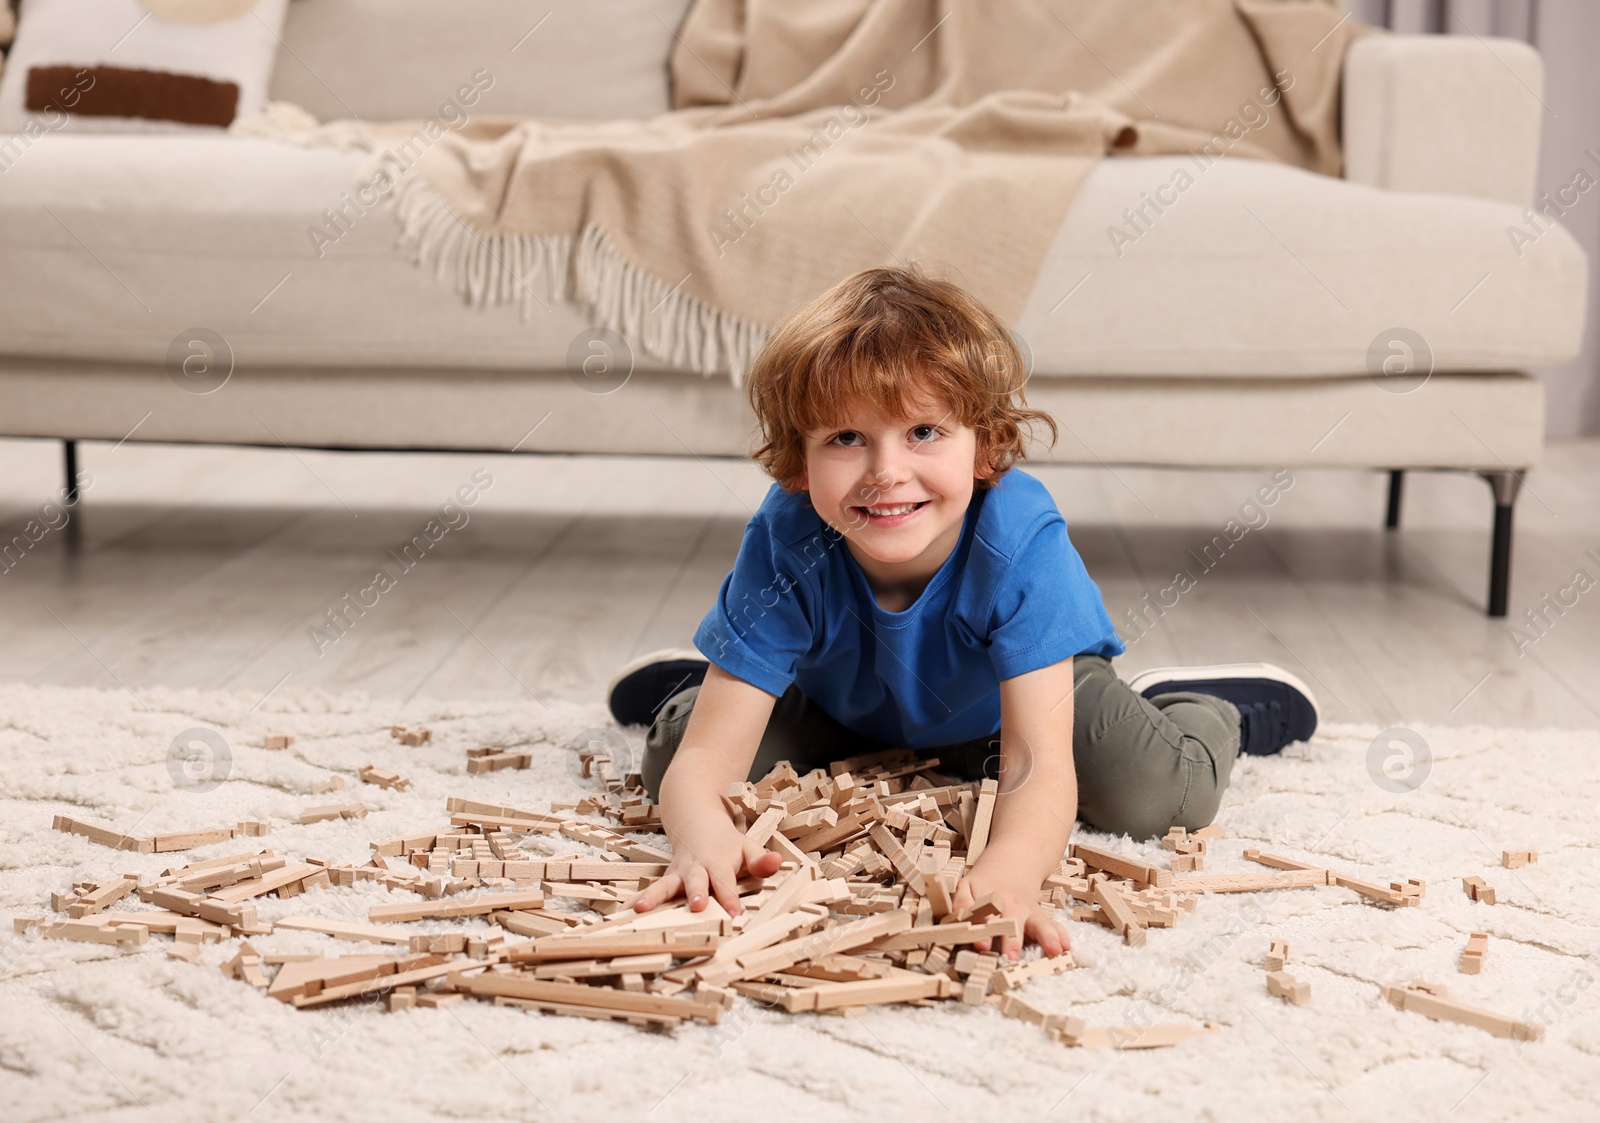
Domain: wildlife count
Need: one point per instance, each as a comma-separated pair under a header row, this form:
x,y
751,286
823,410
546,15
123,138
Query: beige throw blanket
x,y
811,140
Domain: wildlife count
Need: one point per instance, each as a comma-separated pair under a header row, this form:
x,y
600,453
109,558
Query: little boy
x,y
903,585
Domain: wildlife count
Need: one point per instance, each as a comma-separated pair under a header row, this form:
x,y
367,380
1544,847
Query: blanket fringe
x,y
656,318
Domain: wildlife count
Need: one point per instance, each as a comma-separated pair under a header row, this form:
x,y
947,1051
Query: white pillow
x,y
139,65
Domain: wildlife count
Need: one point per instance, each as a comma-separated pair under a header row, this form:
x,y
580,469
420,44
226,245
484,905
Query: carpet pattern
x,y
93,1033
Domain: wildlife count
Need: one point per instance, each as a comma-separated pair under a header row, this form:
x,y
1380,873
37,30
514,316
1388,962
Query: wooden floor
x,y
210,567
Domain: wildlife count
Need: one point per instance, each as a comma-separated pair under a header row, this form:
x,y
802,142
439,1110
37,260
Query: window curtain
x,y
1567,35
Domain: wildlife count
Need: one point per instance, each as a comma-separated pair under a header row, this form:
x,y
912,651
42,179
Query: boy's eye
x,y
922,434
849,438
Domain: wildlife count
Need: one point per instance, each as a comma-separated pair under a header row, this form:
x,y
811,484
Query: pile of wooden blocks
x,y
1189,847
861,911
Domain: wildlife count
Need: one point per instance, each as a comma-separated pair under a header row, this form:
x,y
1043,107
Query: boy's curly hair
x,y
893,339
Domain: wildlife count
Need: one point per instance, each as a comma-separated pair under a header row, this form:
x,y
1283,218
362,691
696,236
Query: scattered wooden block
x,y
1277,955
1472,956
978,836
1133,1037
384,778
105,836
1187,863
1478,889
333,811
1281,984
1429,999
1516,859
95,930
278,740
189,840
1120,913
493,759
254,828
1132,869
411,737
479,905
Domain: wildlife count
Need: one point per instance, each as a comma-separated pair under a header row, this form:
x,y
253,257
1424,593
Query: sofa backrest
x,y
391,59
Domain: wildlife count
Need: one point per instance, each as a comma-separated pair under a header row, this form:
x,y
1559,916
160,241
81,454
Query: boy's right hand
x,y
710,859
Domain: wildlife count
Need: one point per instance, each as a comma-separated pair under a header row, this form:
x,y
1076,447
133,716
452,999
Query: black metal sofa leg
x,y
69,450
1505,486
1391,521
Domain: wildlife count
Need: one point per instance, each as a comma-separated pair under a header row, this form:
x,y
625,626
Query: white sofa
x,y
1248,326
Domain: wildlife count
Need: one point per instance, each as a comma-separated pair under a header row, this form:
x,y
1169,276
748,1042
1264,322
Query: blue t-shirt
x,y
1013,596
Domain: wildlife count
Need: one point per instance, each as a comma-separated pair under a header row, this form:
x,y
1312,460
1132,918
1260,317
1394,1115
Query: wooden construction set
x,y
860,913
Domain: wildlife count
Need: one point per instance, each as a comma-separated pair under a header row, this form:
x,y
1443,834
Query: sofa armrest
x,y
1453,114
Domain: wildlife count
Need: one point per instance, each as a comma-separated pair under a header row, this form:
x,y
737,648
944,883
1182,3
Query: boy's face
x,y
897,487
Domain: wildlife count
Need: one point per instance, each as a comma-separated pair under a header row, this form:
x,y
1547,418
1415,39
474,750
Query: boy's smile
x,y
898,488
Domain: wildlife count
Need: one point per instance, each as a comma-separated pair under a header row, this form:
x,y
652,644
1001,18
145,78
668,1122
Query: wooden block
x,y
254,828
1420,998
333,811
1472,955
383,778
1187,863
278,740
1277,861
1175,839
274,882
1281,984
1207,833
1248,882
102,895
1277,955
478,905
902,987
512,985
946,934
387,982
412,737
1122,917
983,817
1516,859
189,840
103,835
1138,1037
96,931
1375,892
1007,979
189,953
432,1000
344,930
1131,868
495,761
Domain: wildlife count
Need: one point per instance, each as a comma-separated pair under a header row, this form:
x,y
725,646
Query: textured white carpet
x,y
91,1033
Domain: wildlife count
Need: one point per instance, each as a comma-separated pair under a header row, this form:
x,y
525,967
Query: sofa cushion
x,y
119,66
391,59
1256,270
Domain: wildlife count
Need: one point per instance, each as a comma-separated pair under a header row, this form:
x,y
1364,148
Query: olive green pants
x,y
1144,765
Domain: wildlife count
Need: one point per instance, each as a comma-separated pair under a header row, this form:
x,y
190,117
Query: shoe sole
x,y
634,714
1160,676
665,655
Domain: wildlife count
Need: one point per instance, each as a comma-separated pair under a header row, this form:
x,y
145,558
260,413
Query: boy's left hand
x,y
1017,899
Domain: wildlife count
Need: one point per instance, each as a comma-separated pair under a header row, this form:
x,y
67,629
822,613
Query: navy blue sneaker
x,y
642,687
1275,707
